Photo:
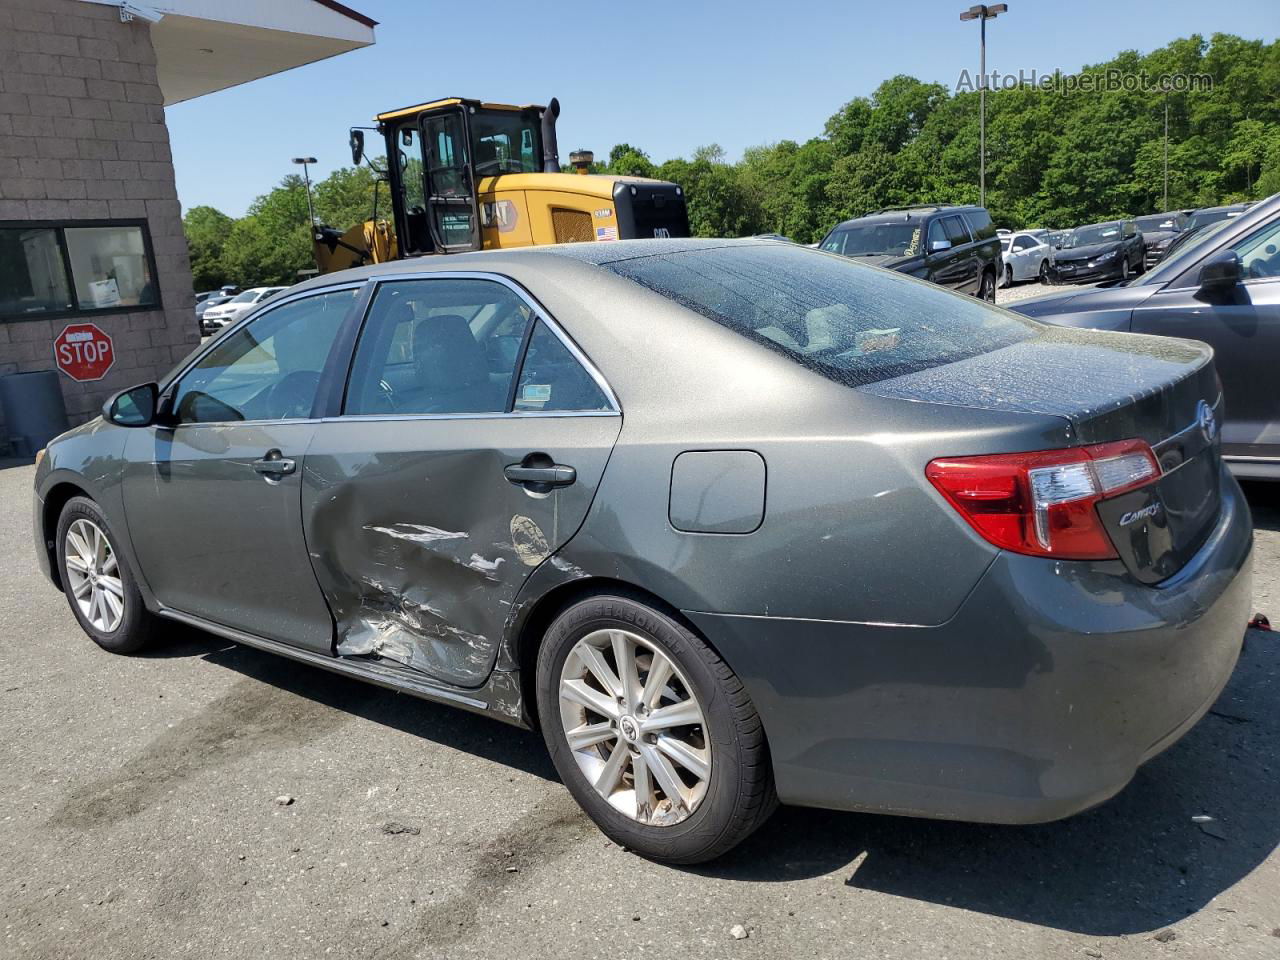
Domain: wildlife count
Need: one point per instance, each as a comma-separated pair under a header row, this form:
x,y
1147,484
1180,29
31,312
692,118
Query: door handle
x,y
274,465
554,475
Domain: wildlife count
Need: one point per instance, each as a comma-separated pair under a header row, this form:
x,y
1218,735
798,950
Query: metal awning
x,y
207,45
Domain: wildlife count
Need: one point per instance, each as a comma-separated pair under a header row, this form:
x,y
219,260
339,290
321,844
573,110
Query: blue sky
x,y
665,76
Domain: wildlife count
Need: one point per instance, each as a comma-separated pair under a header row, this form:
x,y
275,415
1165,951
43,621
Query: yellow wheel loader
x,y
466,175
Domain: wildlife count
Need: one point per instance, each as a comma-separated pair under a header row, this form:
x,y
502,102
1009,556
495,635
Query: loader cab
x,y
437,152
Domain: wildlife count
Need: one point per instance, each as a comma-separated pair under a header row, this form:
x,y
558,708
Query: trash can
x,y
33,410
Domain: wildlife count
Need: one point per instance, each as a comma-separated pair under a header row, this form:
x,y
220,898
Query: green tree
x,y
206,229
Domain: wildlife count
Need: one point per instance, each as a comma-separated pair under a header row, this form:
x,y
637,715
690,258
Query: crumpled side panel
x,y
420,543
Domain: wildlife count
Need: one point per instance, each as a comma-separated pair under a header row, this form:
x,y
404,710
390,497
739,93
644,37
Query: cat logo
x,y
662,233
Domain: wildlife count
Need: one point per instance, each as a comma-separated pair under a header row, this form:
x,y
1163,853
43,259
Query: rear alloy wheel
x,y
652,733
97,581
1044,271
987,291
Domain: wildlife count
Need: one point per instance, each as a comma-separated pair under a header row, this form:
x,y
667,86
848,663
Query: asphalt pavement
x,y
213,801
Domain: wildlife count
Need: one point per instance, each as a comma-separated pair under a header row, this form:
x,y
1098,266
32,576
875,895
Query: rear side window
x,y
851,323
553,379
444,346
957,232
980,224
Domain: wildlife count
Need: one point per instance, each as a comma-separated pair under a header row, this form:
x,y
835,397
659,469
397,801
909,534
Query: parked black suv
x,y
952,246
1099,251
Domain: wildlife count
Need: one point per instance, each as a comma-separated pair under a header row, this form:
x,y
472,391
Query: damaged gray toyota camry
x,y
730,522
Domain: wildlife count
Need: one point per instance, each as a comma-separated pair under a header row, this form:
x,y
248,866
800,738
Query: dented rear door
x,y
423,517
419,540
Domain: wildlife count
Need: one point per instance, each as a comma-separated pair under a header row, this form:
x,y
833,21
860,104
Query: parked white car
x,y
1026,257
231,311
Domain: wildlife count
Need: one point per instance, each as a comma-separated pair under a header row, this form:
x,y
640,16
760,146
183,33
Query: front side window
x,y
269,369
1260,253
551,378
438,347
70,268
839,319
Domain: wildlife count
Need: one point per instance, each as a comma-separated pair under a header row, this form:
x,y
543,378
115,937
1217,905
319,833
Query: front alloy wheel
x,y
635,727
93,575
99,585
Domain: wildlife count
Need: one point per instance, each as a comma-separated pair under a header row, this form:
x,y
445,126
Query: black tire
x,y
740,793
1124,268
987,287
137,624
1044,271
1008,276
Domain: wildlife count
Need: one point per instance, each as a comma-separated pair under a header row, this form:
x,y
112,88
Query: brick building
x,y
90,223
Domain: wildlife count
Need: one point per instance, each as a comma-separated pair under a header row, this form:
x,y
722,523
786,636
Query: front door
x,y
213,499
470,447
453,214
946,267
1243,327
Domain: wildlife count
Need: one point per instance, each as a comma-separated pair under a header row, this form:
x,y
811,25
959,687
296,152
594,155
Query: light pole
x,y
982,13
1166,149
307,176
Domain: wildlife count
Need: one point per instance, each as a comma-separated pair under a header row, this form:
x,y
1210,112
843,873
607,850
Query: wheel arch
x,y
55,499
532,626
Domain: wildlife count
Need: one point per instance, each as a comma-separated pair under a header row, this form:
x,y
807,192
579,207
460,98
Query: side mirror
x,y
1221,272
134,407
357,147
939,246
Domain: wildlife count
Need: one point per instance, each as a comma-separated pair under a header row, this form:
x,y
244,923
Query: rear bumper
x,y
1038,699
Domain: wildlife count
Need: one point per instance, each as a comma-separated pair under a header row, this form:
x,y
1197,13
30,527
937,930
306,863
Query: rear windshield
x,y
850,322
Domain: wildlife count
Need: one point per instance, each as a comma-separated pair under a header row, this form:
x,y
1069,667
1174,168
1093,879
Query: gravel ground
x,y
1033,288
139,819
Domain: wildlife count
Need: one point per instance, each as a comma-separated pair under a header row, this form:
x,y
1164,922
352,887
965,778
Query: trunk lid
x,y
1109,386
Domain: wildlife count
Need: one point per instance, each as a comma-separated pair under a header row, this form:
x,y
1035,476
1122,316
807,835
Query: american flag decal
x,y
606,233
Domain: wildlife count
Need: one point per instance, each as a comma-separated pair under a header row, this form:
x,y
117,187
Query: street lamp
x,y
982,13
307,176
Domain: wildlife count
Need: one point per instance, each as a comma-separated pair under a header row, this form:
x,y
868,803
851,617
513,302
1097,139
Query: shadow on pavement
x,y
1134,864
472,733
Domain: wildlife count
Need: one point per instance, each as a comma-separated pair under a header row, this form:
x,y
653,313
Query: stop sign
x,y
83,352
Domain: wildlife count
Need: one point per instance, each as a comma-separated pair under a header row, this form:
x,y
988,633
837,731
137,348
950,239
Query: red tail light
x,y
1042,503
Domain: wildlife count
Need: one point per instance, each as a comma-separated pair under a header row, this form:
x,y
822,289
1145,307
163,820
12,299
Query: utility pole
x,y
1166,150
307,176
982,13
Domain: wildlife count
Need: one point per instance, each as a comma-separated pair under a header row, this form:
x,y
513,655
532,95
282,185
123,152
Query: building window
x,y
86,266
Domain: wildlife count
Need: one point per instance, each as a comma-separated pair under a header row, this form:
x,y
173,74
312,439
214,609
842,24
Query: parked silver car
x,y
730,522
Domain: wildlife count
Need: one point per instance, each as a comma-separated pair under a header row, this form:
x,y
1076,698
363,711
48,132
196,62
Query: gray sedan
x,y
730,522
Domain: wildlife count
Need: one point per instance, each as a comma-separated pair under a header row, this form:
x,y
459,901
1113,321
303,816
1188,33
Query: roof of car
x,y
907,214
